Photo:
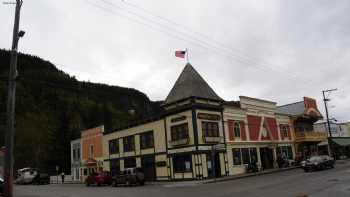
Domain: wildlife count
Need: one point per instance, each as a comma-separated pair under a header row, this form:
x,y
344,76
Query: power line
x,y
192,40
217,45
241,52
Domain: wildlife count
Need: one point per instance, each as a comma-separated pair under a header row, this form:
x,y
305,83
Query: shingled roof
x,y
190,84
294,109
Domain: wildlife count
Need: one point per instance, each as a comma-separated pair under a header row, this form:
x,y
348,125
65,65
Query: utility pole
x,y
9,137
325,100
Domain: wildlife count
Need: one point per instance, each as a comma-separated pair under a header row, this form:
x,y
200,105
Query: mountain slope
x,y
52,108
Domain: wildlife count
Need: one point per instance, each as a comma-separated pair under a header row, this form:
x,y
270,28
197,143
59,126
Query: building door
x,y
217,165
114,166
148,167
266,156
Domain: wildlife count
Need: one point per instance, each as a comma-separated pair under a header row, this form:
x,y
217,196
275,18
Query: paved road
x,y
333,182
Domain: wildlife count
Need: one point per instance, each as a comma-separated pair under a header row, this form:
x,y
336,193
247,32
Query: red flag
x,y
180,54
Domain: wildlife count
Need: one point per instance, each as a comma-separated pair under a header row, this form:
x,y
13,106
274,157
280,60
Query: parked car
x,y
26,175
1,185
101,178
318,163
41,178
130,176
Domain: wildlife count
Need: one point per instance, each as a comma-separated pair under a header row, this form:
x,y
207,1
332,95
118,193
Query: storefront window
x,y
237,157
285,151
245,155
182,163
253,155
129,162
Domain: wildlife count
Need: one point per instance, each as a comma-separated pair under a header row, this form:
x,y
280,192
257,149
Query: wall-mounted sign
x,y
161,163
208,116
178,119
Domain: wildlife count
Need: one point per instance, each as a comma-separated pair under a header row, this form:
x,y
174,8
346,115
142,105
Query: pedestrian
x,y
62,177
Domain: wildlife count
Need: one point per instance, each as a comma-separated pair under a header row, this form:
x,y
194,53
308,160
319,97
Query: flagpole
x,y
187,56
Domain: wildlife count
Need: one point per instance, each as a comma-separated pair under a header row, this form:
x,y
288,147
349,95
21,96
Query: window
x,y
182,163
74,155
284,131
78,151
91,151
253,155
129,143
210,129
245,155
113,146
129,162
179,132
237,157
146,140
237,129
114,166
285,151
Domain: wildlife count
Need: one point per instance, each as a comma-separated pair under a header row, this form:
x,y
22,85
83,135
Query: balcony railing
x,y
310,136
179,142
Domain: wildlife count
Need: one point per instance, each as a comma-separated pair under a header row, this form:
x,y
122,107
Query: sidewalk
x,y
233,177
220,179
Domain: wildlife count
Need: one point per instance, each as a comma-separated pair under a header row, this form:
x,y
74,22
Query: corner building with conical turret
x,y
200,135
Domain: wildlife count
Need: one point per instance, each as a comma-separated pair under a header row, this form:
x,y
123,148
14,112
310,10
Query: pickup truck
x,y
128,177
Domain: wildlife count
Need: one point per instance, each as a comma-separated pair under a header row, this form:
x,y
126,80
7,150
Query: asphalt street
x,y
332,182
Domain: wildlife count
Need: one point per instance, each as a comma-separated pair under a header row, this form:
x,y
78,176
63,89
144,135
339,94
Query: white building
x,y
337,129
76,154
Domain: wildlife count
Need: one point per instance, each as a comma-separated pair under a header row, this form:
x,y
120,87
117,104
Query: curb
x,y
234,177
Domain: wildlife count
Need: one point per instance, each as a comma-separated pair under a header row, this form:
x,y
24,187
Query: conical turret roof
x,y
190,84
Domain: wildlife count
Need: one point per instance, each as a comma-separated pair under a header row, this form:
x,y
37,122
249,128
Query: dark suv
x,y
128,177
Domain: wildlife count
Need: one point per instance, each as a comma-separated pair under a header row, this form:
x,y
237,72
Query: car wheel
x,y
114,184
142,182
306,170
87,183
99,184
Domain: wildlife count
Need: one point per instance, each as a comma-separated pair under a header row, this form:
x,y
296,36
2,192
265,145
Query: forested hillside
x,y
52,108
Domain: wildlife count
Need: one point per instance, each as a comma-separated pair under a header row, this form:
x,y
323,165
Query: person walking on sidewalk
x,y
62,177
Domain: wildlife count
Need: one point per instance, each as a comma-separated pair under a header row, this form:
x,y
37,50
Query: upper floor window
x,y
114,146
179,132
237,129
210,129
78,153
74,154
284,130
129,143
147,140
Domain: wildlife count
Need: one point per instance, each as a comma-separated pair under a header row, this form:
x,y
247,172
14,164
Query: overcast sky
x,y
277,50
